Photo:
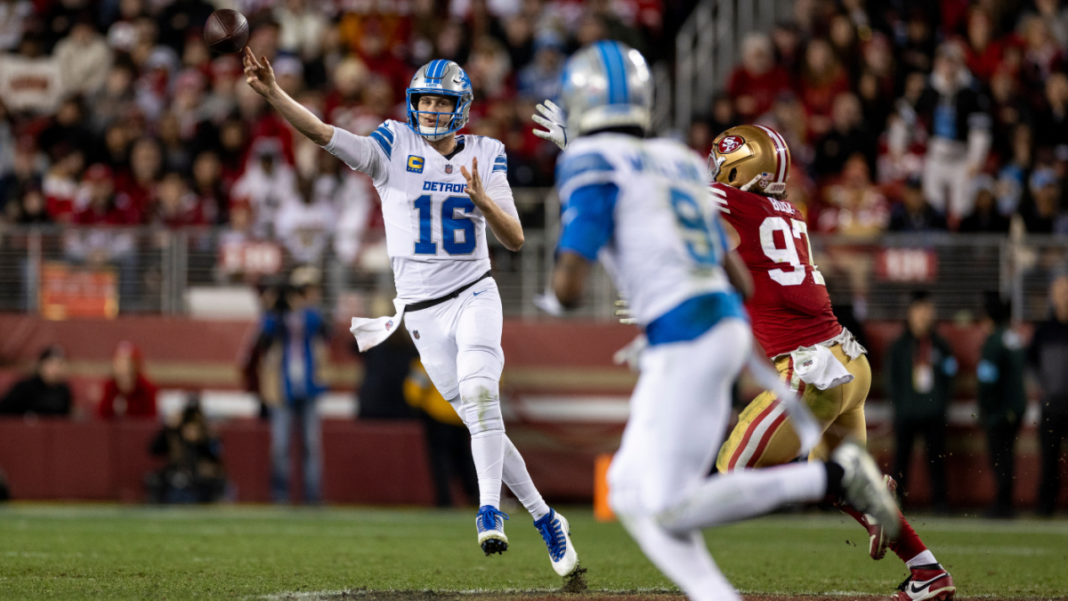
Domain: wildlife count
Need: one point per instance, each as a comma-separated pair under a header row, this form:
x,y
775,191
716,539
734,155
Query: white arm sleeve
x,y
501,193
359,153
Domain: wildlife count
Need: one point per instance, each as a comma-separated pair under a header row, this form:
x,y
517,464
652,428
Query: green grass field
x,y
110,552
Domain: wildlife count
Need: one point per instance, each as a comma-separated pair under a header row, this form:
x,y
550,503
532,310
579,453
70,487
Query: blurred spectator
x,y
448,441
176,206
101,207
69,129
956,116
1052,126
722,117
302,28
982,51
30,208
292,344
1055,16
985,218
1047,357
84,58
115,98
179,17
1002,398
1013,176
128,393
855,207
45,392
914,213
386,368
786,42
822,79
211,192
756,82
13,17
919,373
25,174
137,183
1043,215
194,471
60,185
268,183
848,136
540,79
305,223
1042,57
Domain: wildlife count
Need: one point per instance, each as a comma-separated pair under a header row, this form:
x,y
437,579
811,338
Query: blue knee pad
x,y
480,406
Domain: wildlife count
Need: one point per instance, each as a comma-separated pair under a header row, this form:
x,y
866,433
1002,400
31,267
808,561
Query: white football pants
x,y
459,343
659,483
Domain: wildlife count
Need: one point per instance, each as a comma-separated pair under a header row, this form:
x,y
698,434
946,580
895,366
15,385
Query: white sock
x,y
683,558
481,404
487,449
735,496
923,559
517,478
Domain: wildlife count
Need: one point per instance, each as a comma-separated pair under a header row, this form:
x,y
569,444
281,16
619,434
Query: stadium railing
x,y
63,273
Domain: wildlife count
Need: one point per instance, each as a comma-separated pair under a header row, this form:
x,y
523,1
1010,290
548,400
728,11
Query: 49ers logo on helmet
x,y
730,144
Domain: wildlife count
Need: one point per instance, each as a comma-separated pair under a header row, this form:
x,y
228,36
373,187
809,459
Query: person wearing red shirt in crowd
x,y
128,393
135,184
176,206
755,84
982,51
102,207
60,185
822,79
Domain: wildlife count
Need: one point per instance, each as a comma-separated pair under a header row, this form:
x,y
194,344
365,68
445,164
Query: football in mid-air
x,y
226,31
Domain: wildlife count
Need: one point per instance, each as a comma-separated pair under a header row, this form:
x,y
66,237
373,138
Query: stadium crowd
x,y
115,112
912,116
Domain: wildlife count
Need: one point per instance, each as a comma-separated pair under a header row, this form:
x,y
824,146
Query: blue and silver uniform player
x,y
642,207
436,208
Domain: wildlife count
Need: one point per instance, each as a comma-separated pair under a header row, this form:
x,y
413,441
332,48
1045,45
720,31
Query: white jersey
x,y
643,208
435,236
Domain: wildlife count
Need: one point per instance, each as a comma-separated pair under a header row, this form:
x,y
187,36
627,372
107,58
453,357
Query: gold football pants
x,y
764,436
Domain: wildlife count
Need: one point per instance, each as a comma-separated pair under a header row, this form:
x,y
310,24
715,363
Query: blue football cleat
x,y
490,524
556,533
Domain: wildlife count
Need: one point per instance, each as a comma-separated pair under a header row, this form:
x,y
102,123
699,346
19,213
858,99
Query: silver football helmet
x,y
442,78
607,84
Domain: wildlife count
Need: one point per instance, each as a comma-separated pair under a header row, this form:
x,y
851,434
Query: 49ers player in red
x,y
792,319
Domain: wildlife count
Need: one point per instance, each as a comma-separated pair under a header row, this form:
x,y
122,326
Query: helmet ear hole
x,y
733,174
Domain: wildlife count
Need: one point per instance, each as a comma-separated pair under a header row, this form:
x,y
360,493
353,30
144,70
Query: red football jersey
x,y
790,306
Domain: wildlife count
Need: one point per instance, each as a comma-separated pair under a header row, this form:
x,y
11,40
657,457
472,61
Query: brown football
x,y
226,31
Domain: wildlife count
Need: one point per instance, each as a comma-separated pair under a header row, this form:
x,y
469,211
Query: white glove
x,y
631,354
547,301
806,427
623,312
552,121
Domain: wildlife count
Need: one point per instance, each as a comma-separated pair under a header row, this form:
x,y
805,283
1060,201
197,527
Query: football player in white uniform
x,y
642,207
436,205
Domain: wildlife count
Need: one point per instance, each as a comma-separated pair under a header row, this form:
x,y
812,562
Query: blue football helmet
x,y
607,84
440,78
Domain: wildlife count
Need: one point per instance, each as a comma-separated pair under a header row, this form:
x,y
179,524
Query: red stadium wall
x,y
384,462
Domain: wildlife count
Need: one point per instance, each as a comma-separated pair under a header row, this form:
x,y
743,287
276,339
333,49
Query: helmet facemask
x,y
445,123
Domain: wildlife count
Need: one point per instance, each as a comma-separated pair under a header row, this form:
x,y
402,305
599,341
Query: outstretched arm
x,y
260,76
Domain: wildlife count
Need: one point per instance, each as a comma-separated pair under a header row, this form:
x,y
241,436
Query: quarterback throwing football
x,y
436,205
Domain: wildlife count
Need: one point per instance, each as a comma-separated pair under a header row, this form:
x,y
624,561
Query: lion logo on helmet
x,y
730,144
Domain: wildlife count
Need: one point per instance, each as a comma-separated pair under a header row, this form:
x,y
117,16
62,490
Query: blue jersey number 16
x,y
450,225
